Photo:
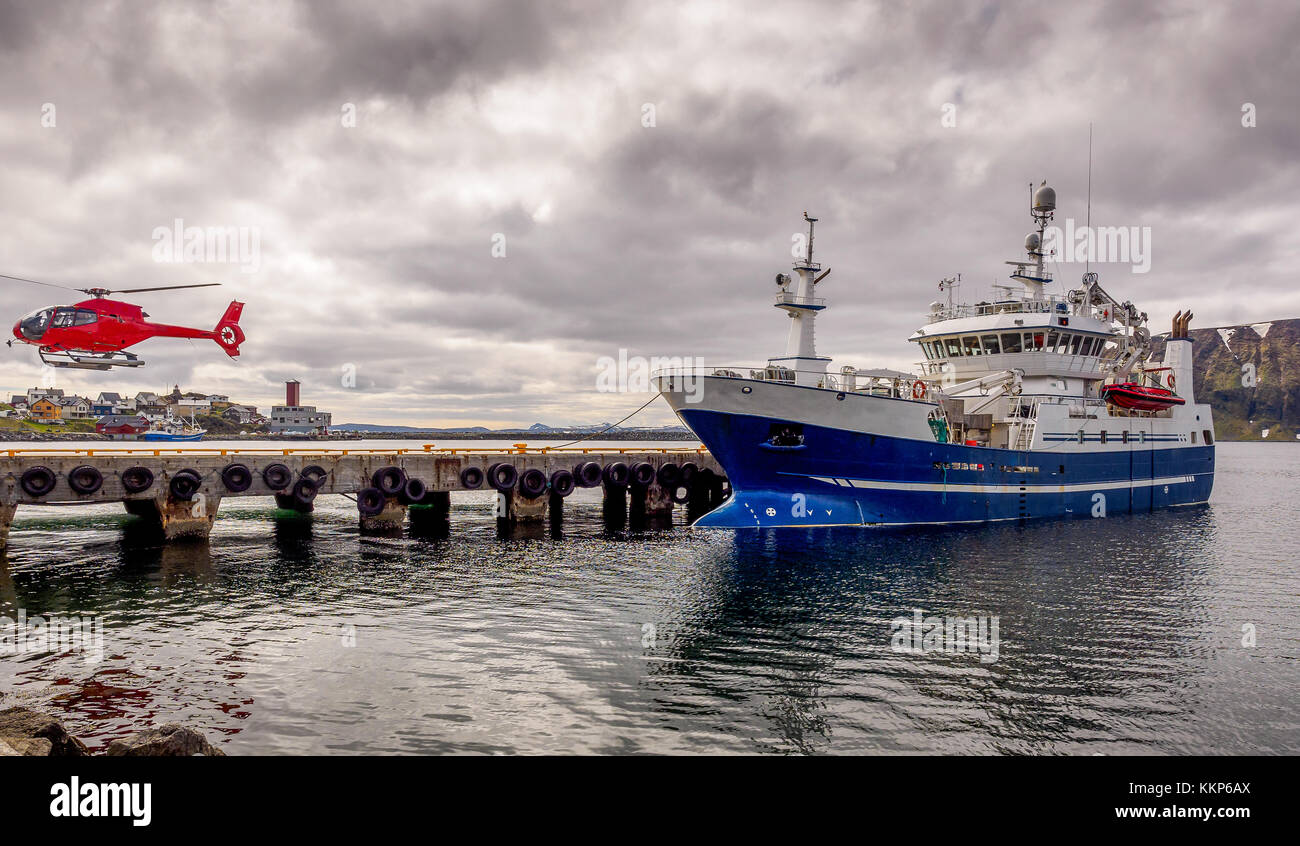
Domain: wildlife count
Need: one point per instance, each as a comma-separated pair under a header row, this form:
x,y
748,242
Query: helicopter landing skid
x,y
89,361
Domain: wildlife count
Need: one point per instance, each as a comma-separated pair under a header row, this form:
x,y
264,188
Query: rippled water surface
x,y
1116,635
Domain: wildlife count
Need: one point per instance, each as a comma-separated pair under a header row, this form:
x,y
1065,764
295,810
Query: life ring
x,y
918,390
1171,381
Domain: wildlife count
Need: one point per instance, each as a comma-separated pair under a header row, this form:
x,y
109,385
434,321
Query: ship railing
x,y
847,381
1047,305
791,299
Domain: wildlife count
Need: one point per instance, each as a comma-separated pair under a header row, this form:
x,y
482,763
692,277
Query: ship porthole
x,y
746,390
840,396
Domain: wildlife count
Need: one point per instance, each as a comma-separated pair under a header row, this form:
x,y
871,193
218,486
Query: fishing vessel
x,y
1026,405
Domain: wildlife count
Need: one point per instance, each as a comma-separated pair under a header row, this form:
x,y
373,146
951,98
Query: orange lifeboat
x,y
1137,397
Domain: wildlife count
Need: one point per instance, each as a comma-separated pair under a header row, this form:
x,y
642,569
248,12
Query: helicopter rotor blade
x,y
36,282
143,290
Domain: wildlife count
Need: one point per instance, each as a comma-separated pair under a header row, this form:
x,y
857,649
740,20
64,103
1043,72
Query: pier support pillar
x,y
388,522
614,506
6,519
178,518
703,488
431,517
651,507
520,517
555,511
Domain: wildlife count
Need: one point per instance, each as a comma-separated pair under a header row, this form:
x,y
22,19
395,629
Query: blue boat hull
x,y
837,477
164,436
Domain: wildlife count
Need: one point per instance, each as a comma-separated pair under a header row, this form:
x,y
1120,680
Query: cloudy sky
x,y
642,166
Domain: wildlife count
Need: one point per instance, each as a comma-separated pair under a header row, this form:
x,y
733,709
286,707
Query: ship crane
x,y
991,388
1135,344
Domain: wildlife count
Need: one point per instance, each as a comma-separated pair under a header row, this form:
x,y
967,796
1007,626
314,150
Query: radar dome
x,y
1045,198
1033,242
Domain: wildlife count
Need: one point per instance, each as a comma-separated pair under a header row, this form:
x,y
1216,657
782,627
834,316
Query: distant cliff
x,y
1251,376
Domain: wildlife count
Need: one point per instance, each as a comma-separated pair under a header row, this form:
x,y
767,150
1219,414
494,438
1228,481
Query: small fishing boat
x,y
1137,397
163,435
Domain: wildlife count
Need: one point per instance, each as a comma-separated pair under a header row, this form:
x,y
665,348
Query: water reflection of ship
x,y
793,631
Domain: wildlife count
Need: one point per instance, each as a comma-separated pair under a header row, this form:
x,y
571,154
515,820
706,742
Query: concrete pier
x,y
178,490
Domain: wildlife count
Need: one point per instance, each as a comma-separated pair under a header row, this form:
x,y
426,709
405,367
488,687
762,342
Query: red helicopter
x,y
94,334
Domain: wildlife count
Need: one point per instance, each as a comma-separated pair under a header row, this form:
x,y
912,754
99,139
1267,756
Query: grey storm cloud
x,y
521,124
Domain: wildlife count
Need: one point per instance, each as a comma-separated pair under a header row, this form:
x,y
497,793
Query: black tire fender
x,y
562,483
391,479
137,480
85,479
502,476
38,480
236,477
370,502
471,478
277,476
532,483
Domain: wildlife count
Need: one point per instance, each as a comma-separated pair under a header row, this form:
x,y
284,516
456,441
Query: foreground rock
x,y
28,733
19,727
172,739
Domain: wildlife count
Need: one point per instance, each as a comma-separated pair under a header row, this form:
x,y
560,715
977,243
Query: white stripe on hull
x,y
872,484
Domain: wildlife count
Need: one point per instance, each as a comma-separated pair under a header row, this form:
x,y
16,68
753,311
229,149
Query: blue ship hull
x,y
837,477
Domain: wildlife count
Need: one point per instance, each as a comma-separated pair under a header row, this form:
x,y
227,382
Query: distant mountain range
x,y
1250,374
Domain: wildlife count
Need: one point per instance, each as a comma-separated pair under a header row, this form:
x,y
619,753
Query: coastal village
x,y
124,417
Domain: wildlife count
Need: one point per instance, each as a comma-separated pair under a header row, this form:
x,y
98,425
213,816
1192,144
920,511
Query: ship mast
x,y
797,298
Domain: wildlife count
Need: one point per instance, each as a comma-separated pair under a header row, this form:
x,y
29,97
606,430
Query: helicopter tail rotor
x,y
228,334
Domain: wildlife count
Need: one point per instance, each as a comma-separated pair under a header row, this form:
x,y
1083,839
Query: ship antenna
x,y
1087,261
811,222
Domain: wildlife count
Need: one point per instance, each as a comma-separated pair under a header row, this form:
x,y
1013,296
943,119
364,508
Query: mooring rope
x,y
610,426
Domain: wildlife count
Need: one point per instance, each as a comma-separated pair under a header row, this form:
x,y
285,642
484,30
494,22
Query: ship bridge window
x,y
1074,344
1011,342
990,344
1033,341
954,347
971,344
1053,339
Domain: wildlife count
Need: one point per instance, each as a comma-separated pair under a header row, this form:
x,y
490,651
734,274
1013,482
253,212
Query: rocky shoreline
x,y
28,733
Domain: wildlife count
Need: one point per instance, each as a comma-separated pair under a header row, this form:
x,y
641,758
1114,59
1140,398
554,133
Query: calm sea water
x,y
1115,635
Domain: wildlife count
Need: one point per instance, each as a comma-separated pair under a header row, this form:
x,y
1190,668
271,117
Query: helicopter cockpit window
x,y
33,326
85,316
63,317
